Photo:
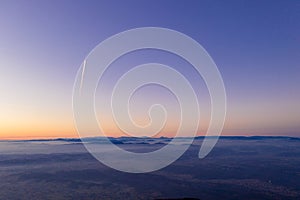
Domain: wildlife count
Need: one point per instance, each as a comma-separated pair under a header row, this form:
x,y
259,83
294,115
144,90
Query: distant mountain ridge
x,y
148,140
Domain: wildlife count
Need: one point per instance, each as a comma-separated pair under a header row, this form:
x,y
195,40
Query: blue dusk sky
x,y
255,44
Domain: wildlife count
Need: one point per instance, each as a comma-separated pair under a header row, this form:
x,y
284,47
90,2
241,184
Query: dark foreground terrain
x,y
237,168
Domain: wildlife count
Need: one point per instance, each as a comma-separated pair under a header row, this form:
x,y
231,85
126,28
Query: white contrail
x,y
82,75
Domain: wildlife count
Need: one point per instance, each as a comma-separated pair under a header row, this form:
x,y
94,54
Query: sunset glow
x,y
42,46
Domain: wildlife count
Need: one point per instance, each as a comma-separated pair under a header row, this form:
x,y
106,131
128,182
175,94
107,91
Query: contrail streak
x,y
82,75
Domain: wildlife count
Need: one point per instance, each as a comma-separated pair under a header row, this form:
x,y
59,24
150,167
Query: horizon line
x,y
145,137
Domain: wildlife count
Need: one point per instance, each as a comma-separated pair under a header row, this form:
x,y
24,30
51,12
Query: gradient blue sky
x,y
255,44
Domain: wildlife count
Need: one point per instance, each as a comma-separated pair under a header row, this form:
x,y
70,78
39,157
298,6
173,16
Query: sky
x,y
255,44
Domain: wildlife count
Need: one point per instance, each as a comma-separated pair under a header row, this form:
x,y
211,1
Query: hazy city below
x,y
237,168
